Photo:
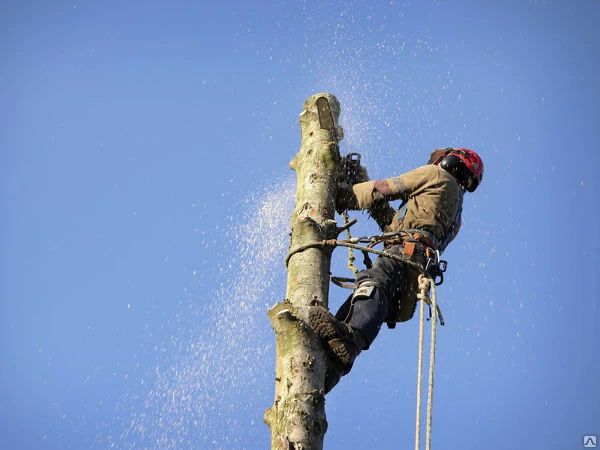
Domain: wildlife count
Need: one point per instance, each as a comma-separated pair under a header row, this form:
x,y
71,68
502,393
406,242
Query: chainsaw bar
x,y
326,117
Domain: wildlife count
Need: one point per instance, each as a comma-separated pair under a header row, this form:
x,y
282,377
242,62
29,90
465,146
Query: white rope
x,y
426,284
420,373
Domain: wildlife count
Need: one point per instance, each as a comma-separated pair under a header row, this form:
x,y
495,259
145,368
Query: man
x,y
426,223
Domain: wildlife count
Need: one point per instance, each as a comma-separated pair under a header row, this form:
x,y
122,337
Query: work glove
x,y
345,199
361,175
349,197
396,224
382,212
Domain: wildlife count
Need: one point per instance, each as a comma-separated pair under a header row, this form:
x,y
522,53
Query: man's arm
x,y
382,212
367,193
372,196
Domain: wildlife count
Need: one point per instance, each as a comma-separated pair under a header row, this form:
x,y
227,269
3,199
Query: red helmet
x,y
464,164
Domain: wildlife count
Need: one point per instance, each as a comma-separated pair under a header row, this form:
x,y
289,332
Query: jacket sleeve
x,y
404,186
387,189
374,196
364,194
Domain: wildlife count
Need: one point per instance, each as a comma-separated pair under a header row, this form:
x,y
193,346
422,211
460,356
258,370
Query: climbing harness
x,y
418,254
425,285
430,268
429,261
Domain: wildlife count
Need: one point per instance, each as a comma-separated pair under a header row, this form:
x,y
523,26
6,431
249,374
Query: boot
x,y
343,343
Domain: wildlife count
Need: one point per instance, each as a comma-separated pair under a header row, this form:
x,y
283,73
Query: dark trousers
x,y
392,281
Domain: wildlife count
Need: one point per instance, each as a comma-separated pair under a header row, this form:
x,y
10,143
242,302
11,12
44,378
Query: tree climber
x,y
427,221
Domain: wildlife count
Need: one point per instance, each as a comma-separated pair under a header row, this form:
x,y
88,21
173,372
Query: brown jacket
x,y
434,202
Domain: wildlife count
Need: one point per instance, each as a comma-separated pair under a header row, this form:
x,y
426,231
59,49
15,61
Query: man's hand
x,y
382,212
361,174
345,199
346,195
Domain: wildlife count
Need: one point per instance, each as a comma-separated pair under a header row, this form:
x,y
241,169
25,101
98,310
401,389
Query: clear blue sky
x,y
146,197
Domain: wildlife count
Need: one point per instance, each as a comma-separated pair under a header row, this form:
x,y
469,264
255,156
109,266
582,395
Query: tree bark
x,y
297,418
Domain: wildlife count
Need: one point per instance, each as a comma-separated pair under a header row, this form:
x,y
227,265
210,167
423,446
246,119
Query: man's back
x,y
434,201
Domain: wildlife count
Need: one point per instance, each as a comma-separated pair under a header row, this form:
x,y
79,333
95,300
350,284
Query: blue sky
x,y
146,193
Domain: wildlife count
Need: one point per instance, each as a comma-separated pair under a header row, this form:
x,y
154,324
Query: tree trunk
x,y
297,417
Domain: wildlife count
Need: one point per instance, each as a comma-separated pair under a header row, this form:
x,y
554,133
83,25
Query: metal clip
x,y
436,267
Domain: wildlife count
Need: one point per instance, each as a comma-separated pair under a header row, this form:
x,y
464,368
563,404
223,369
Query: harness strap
x,y
425,237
